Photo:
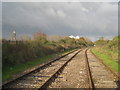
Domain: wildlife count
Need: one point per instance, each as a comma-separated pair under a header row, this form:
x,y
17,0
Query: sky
x,y
0,20
88,19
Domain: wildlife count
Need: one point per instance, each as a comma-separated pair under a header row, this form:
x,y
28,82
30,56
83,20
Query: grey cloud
x,y
83,19
0,19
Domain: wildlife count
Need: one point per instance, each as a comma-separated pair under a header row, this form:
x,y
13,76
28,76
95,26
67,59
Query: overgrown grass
x,y
107,60
9,72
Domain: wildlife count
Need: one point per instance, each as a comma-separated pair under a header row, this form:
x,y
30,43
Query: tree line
x,y
28,50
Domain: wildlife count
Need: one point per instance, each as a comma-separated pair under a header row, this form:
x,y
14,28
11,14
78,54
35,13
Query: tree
x,y
101,38
24,38
39,36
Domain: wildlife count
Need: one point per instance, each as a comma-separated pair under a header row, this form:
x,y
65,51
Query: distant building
x,y
71,36
14,36
75,37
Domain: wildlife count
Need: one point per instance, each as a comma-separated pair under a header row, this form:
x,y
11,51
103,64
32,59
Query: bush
x,y
109,47
22,51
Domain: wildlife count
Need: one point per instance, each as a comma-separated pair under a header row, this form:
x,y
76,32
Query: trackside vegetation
x,y
108,51
8,71
18,56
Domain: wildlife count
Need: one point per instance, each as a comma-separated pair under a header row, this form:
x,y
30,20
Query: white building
x,y
71,36
75,37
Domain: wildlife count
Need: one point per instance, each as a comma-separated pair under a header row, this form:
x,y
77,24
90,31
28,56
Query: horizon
x,y
23,36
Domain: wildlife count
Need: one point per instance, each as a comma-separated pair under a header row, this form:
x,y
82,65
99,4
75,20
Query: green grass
x,y
107,60
9,72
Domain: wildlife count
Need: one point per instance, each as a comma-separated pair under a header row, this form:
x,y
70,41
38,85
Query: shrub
x,y
22,51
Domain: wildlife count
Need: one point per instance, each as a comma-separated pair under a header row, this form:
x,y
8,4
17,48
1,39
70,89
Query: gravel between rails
x,y
36,79
102,77
74,74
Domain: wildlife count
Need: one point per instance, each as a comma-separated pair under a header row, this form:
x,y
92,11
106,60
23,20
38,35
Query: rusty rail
x,y
91,83
113,72
39,68
45,84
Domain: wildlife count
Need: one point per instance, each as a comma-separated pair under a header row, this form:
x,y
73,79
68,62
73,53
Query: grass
x,y
107,60
9,72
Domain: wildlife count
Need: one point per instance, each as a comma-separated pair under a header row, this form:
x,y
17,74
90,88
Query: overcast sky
x,y
91,20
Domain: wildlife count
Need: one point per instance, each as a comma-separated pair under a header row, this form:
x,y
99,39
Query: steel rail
x,y
89,74
113,72
39,68
45,84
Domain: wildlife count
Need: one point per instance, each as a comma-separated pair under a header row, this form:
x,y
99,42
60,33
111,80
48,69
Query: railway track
x,y
86,71
74,70
43,75
100,76
74,74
